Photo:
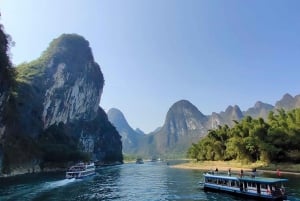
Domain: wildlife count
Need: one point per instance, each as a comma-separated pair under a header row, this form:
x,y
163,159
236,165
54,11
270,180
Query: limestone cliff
x,y
288,102
6,84
57,115
130,138
183,125
260,109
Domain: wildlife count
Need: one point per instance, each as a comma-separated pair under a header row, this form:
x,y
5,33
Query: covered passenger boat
x,y
259,188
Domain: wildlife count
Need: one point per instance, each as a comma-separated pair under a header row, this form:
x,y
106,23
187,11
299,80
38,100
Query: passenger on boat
x,y
242,173
253,173
229,172
278,173
217,170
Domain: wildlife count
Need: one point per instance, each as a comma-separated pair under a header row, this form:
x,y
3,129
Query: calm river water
x,y
128,182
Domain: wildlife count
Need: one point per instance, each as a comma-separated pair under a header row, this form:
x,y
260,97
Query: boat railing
x,y
236,173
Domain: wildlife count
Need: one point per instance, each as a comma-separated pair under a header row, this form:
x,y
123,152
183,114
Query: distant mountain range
x,y
185,124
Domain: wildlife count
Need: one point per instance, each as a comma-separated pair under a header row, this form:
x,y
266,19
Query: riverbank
x,y
223,166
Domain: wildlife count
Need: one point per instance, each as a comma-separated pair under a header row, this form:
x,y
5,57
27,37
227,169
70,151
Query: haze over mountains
x,y
130,137
185,124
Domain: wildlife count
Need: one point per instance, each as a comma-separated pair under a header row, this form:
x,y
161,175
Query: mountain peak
x,y
233,109
287,102
259,109
117,118
115,112
181,103
258,104
287,96
185,109
69,47
231,113
184,124
129,136
66,73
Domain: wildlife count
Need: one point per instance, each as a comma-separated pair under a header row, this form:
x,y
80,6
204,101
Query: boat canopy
x,y
261,180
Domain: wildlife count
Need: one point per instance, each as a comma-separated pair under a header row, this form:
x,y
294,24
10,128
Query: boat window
x,y
263,186
252,184
245,184
232,183
258,189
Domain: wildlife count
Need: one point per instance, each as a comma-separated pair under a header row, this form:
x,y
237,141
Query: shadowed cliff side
x,y
7,75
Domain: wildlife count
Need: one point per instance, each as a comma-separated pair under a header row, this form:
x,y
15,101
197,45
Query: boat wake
x,y
59,183
28,192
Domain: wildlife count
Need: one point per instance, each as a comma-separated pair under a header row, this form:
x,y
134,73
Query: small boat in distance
x,y
139,161
81,170
153,159
258,188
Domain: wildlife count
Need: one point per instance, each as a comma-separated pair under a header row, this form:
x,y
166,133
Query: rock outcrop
x,y
288,102
57,115
260,109
183,125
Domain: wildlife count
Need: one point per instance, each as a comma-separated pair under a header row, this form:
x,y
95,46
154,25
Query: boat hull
x,y
80,177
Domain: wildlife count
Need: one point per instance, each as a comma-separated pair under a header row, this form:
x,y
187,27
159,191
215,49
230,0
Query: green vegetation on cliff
x,y
6,70
57,146
251,140
68,48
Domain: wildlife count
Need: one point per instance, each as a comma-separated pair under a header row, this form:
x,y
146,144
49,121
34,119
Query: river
x,y
150,181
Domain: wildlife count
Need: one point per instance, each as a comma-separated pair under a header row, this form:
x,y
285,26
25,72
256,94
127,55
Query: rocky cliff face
x,y
183,125
6,76
215,120
231,113
260,109
130,138
73,81
288,102
6,84
57,107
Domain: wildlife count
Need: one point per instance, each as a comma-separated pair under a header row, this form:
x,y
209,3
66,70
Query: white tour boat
x,y
81,170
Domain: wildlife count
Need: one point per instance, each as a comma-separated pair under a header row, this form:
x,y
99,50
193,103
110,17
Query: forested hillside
x,y
275,140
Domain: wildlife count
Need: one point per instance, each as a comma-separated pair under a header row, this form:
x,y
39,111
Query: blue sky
x,y
156,52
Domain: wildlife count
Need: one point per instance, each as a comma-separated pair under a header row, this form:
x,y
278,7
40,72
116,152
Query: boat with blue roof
x,y
258,188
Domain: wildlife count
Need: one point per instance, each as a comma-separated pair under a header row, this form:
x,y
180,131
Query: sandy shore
x,y
223,167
